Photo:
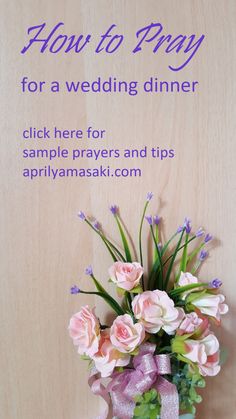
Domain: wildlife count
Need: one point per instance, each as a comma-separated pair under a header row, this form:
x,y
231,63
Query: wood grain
x,y
44,248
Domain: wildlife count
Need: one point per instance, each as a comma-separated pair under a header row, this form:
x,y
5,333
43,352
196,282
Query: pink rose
x,y
84,329
156,310
211,305
126,275
125,334
192,323
107,357
205,353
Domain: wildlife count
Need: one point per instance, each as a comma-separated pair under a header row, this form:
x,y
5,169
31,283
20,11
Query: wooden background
x,y
44,246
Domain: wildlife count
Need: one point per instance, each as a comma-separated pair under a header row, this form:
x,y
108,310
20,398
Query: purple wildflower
x,y
200,232
81,215
97,225
114,209
149,219
159,246
156,219
74,290
208,238
149,196
203,255
187,225
89,270
215,283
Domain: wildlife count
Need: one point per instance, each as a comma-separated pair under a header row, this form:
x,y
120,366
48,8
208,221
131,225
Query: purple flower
x,y
114,209
149,219
187,225
200,232
89,270
74,290
208,238
149,196
159,246
203,255
215,283
156,219
97,225
81,215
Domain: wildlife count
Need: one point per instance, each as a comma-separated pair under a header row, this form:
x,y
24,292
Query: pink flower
x,y
186,278
84,329
211,305
205,353
126,275
156,310
107,357
192,323
125,334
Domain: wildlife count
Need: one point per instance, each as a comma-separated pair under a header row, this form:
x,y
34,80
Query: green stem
x,y
166,245
155,255
109,300
181,247
140,240
173,260
196,267
195,252
177,291
128,300
155,267
140,233
103,239
124,240
183,262
158,254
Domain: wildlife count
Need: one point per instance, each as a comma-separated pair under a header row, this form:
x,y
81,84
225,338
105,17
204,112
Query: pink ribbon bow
x,y
146,374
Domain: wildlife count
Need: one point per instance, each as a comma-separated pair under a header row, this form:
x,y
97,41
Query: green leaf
x,y
120,292
136,290
85,358
109,300
140,232
183,262
194,295
156,264
181,247
173,260
98,285
179,290
119,254
155,255
103,239
195,252
147,405
124,240
159,259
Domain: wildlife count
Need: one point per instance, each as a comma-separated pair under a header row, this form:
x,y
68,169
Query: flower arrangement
x,y
149,362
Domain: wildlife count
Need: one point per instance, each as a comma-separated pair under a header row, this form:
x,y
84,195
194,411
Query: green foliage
x,y
147,405
124,240
186,383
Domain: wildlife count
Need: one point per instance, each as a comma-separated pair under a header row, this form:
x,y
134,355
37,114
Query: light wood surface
x,y
45,248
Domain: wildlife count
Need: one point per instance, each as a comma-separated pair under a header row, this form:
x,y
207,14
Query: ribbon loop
x,y
146,374
163,364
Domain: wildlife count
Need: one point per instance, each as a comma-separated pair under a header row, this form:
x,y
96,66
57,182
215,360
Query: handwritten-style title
x,y
54,41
